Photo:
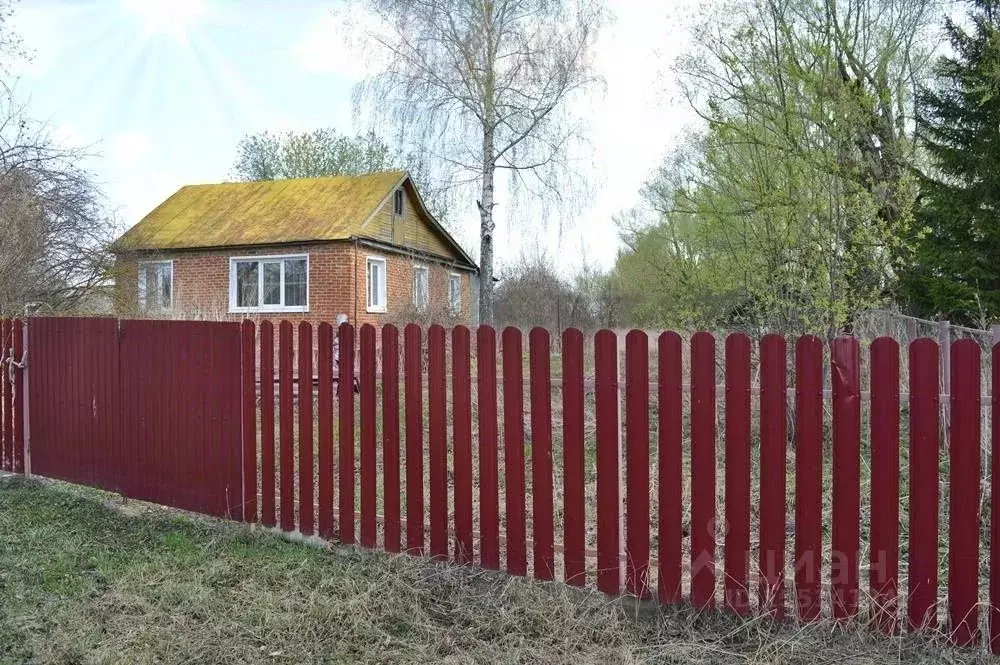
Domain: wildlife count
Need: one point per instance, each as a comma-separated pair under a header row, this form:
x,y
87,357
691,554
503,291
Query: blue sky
x,y
161,91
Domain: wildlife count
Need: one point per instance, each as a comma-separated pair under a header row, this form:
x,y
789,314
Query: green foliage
x,y
325,152
788,211
955,273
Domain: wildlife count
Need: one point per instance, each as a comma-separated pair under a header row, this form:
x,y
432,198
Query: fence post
x,y
944,348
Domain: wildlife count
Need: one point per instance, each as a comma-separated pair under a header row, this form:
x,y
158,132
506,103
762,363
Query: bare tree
x,y
54,228
485,85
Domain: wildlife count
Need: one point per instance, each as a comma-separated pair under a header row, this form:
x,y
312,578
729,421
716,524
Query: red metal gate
x,y
149,409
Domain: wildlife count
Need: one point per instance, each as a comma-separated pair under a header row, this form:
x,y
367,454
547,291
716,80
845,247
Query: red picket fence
x,y
670,477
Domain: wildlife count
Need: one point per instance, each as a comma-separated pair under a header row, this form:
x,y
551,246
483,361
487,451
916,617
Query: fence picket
x,y
737,498
324,398
963,517
637,463
670,402
367,388
574,512
703,470
462,428
437,448
808,476
884,530
489,501
608,463
846,538
306,457
286,435
543,557
413,349
248,332
513,438
773,442
390,436
922,580
345,432
267,480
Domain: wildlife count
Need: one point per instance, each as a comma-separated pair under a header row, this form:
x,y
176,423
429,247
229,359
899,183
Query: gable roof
x,y
269,212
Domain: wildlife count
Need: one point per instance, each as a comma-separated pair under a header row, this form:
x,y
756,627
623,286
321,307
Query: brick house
x,y
302,249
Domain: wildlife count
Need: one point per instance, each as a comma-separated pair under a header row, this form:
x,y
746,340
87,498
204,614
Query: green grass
x,y
85,578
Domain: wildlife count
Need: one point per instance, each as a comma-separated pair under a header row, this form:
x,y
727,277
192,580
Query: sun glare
x,y
165,18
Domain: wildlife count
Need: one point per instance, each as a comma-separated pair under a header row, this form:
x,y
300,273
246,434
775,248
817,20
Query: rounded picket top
x,y
884,345
571,335
669,339
636,336
924,345
808,344
389,329
738,341
304,326
775,344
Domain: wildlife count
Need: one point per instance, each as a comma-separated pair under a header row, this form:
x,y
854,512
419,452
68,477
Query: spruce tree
x,y
956,271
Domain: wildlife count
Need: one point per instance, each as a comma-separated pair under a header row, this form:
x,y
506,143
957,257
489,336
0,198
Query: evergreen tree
x,y
956,268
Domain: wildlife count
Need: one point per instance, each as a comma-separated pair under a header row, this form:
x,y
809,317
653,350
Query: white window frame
x,y
233,260
143,289
422,306
455,306
370,306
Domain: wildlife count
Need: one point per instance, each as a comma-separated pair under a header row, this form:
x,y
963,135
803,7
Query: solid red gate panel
x,y
737,550
963,511
180,414
73,392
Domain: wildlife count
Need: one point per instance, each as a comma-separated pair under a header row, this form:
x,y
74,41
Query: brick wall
x,y
337,273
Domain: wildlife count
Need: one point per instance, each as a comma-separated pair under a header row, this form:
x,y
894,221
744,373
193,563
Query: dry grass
x,y
85,579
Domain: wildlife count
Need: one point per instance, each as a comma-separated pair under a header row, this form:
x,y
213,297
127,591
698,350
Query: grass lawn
x,y
87,579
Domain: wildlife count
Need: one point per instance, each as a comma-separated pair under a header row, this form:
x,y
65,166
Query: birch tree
x,y
486,86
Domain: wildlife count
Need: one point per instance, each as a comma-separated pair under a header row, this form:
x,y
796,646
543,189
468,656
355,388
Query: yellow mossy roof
x,y
262,213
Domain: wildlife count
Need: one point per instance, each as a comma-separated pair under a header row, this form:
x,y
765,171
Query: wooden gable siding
x,y
413,230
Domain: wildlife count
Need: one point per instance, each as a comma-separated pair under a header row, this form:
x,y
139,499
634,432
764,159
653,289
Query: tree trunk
x,y
486,227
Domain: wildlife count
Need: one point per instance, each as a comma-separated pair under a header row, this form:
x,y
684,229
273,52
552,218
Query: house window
x,y
397,202
156,286
455,293
376,285
421,289
269,284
